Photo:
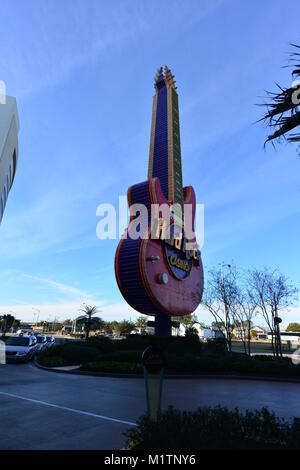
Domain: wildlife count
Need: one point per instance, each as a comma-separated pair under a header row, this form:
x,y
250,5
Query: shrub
x,y
214,428
113,367
103,345
54,361
122,356
216,346
167,344
79,354
183,356
71,353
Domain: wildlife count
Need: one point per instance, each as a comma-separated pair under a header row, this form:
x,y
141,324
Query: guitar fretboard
x,y
165,152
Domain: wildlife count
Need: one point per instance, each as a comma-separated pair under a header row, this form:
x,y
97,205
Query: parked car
x,y
41,343
20,348
50,341
24,331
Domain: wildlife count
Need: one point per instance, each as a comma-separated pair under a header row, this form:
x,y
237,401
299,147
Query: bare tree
x,y
271,292
220,299
245,311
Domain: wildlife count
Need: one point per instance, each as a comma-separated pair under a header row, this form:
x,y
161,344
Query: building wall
x,y
288,336
9,128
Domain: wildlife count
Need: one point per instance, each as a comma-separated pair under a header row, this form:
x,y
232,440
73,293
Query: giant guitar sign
x,y
158,263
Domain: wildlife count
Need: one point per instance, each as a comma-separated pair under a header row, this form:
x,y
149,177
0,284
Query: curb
x,y
88,373
178,377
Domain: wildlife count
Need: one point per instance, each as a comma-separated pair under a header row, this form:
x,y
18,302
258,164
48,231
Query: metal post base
x,y
163,325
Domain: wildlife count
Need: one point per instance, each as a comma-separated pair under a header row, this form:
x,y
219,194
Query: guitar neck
x,y
165,152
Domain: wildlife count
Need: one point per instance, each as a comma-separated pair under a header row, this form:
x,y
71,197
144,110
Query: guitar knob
x,y
163,278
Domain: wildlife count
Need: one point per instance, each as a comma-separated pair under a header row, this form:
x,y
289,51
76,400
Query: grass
x,y
255,346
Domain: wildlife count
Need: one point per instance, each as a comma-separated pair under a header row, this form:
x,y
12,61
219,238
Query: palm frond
x,y
283,114
287,124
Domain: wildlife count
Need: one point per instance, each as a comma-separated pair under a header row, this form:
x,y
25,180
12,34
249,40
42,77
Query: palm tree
x,y
86,318
283,107
141,325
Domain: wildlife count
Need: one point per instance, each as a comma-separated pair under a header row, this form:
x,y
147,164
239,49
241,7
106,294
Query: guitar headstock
x,y
165,77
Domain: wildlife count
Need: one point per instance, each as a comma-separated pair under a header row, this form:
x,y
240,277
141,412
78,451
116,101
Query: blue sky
x,y
82,72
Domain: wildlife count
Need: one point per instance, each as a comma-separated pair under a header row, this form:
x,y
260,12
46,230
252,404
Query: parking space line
x,y
73,410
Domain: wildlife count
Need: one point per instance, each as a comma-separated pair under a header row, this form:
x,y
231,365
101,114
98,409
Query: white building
x,y
9,128
261,333
204,333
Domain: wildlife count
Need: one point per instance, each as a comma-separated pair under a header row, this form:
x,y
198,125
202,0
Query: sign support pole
x,y
153,362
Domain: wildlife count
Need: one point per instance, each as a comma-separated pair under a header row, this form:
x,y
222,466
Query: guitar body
x,y
139,263
156,270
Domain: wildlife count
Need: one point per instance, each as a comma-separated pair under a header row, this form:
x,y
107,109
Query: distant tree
x,y
187,320
96,324
217,325
283,111
245,311
6,322
107,328
191,331
253,334
271,292
122,328
87,320
141,324
16,324
293,327
125,327
57,326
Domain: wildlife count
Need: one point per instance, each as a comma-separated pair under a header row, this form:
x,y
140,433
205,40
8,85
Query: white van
x,y
22,331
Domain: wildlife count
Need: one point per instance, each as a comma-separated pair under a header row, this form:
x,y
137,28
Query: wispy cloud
x,y
60,287
69,309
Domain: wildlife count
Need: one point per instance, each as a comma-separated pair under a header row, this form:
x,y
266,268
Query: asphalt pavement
x,y
47,410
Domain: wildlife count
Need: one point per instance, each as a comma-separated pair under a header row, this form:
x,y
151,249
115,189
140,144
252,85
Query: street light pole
x,y
36,313
225,302
278,345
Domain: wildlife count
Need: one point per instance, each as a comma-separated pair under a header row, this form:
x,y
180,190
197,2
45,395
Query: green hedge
x,y
54,361
183,355
114,367
174,344
236,364
214,428
72,353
